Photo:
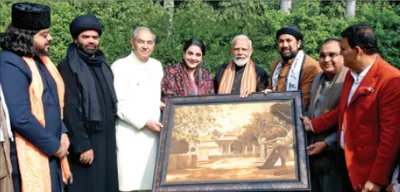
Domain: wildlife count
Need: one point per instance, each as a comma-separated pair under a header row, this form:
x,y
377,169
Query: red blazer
x,y
371,124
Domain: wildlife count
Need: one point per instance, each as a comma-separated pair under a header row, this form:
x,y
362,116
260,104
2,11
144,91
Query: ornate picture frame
x,y
228,143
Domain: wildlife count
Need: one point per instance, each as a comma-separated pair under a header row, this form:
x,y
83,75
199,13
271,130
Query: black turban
x,y
84,23
291,30
30,16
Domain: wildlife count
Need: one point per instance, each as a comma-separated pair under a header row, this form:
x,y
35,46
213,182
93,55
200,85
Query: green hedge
x,y
216,27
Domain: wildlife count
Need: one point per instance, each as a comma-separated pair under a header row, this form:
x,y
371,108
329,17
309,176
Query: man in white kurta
x,y
137,81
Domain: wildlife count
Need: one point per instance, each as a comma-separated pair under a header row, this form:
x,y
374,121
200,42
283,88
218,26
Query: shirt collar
x,y
135,58
359,77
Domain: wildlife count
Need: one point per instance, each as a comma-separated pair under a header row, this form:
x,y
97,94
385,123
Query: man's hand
x,y
153,125
369,186
162,106
316,148
306,122
245,93
62,151
266,91
389,188
87,157
65,140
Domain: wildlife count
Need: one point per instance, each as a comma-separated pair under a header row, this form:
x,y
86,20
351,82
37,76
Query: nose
x,y
49,37
91,40
285,44
145,45
191,57
326,58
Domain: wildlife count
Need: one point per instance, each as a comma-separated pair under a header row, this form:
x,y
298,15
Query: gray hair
x,y
137,29
241,37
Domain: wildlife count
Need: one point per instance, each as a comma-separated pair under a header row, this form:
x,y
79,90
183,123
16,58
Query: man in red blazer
x,y
367,116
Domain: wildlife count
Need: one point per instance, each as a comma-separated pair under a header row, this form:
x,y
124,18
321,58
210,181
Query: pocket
x,y
365,154
367,102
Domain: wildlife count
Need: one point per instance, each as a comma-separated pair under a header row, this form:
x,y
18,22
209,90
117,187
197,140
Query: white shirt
x,y
395,182
357,80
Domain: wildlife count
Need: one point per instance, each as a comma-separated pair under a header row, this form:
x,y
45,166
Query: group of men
x,y
90,127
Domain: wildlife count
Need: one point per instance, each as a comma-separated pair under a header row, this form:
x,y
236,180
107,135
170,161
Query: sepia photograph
x,y
217,140
231,142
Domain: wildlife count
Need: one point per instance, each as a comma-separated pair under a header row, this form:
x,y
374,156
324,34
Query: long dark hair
x,y
18,41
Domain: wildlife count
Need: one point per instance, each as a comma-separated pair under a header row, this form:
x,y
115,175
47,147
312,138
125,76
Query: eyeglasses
x,y
331,55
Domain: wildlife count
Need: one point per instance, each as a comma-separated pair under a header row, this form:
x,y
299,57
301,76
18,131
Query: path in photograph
x,y
232,169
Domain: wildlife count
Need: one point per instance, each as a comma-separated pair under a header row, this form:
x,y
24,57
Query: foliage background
x,y
216,24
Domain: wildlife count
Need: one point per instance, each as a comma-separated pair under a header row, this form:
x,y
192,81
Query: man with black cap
x,y
90,109
294,70
34,92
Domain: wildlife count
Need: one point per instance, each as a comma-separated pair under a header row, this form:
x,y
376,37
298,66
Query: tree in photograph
x,y
193,122
263,126
282,111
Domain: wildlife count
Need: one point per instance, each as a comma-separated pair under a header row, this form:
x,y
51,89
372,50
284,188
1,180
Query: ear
x,y
299,42
358,50
132,43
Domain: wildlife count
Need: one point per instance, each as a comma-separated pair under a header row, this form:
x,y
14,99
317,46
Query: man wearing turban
x,y
90,109
294,70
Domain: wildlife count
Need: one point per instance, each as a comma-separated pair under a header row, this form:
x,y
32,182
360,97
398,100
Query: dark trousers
x,y
344,172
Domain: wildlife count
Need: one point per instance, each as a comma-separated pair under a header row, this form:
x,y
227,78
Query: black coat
x,y
102,175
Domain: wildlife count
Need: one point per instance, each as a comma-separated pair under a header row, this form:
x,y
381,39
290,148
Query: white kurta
x,y
138,88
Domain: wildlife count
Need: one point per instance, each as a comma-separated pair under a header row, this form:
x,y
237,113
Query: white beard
x,y
241,62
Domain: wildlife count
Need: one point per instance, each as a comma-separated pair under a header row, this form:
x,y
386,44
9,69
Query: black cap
x,y
291,30
84,23
30,16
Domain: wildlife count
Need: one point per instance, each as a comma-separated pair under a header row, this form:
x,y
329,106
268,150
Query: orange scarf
x,y
249,79
33,164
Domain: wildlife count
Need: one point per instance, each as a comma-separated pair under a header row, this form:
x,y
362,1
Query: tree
x,y
286,6
350,8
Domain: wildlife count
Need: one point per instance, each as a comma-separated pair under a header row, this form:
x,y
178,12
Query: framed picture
x,y
228,143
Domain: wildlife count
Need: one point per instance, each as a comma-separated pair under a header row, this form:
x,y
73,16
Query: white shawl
x,y
293,77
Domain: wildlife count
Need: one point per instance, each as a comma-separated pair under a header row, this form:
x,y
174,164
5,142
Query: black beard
x,y
41,52
288,57
91,51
